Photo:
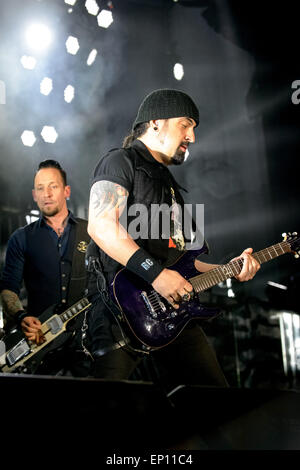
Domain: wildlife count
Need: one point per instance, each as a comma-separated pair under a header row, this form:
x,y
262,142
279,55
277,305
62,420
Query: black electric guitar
x,y
17,354
153,320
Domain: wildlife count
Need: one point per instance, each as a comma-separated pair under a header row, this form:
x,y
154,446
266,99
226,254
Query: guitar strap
x,y
78,243
79,240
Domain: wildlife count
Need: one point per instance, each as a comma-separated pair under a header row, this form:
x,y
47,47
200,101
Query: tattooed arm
x,y
11,306
11,303
107,202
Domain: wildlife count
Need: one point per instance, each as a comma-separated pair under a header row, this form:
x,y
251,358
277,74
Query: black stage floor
x,y
138,415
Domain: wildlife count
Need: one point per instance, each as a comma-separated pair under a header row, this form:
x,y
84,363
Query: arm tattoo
x,y
10,302
107,196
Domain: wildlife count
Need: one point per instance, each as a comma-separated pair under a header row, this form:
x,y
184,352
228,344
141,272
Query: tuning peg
x,y
289,234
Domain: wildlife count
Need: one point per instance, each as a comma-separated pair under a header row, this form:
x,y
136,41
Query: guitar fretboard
x,y
233,268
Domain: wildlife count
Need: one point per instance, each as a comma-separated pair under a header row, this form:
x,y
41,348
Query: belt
x,y
103,351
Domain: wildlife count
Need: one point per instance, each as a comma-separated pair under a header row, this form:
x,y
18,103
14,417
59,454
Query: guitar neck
x,y
233,268
74,310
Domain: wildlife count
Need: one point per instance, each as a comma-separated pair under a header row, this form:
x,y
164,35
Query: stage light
x,y
105,18
32,216
72,45
275,284
2,92
290,341
178,71
92,7
230,292
28,138
92,56
70,2
28,62
69,93
49,134
38,36
46,86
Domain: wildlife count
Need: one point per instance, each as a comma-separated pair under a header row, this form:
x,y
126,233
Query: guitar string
x,y
237,265
207,280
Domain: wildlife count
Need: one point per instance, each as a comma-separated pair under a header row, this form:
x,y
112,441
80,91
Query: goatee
x,y
178,158
50,213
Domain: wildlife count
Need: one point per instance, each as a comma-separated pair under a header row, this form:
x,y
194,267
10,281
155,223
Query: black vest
x,y
152,186
48,278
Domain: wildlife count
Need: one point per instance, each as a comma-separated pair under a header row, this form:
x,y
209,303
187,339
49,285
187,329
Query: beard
x,y
178,158
50,212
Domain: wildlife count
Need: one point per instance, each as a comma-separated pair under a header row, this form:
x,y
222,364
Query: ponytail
x,y
138,131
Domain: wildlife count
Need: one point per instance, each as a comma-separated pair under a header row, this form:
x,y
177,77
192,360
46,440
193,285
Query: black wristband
x,y
144,266
20,315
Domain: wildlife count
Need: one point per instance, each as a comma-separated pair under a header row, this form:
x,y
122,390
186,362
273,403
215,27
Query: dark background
x,y
240,59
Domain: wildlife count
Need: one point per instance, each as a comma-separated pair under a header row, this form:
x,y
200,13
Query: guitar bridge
x,y
154,303
148,304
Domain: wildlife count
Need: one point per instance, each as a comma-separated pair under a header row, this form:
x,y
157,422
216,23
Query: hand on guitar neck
x,y
250,266
31,327
173,287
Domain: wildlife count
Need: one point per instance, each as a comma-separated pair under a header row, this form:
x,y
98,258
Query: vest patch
x,y
82,246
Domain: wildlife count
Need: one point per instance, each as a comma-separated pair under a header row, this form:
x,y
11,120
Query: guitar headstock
x,y
293,240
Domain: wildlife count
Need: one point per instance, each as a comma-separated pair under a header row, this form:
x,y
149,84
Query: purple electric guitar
x,y
153,320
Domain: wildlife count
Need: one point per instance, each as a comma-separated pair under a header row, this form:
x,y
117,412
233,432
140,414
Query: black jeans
x,y
189,359
65,362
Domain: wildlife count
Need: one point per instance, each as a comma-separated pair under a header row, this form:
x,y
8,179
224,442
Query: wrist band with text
x,y
144,266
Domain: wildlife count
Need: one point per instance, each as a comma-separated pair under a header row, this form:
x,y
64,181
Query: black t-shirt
x,y
150,183
117,167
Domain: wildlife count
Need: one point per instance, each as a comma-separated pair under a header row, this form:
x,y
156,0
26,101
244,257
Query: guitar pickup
x,y
55,324
20,350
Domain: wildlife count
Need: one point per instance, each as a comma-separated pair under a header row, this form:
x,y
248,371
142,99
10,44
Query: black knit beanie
x,y
164,104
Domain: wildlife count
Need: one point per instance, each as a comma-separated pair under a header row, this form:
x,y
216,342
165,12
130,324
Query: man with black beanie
x,y
137,176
